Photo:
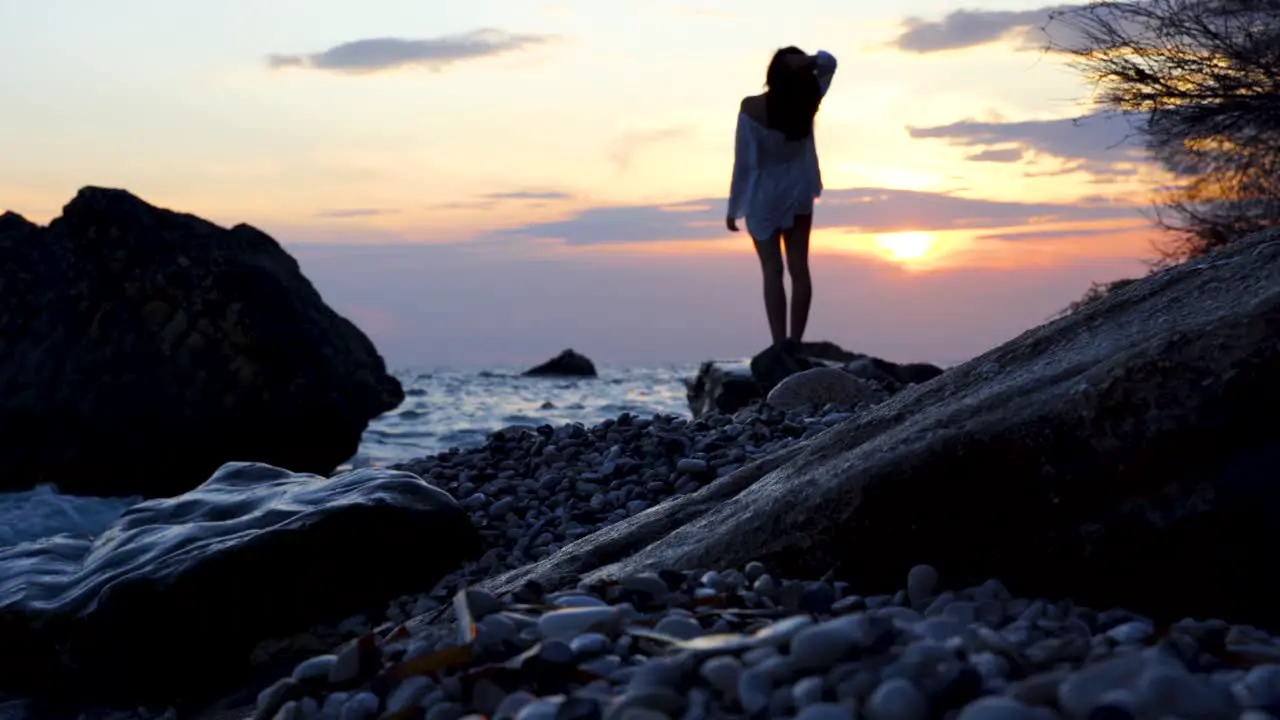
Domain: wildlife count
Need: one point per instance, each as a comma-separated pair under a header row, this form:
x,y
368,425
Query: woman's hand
x,y
732,224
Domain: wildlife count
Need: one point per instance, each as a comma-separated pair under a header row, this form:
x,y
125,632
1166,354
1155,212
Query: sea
x,y
443,409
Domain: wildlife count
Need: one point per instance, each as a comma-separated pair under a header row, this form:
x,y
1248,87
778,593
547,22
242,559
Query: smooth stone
x,y
333,704
316,668
555,652
897,699
360,706
271,699
999,707
1174,692
825,711
657,673
1080,691
922,580
576,621
646,583
807,691
590,644
755,690
691,466
1259,688
722,673
820,646
578,601
681,627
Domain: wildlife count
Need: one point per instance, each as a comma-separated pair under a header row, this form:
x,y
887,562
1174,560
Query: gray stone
x,y
897,699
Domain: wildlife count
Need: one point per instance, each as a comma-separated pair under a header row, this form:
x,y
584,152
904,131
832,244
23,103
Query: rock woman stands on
x,y
776,179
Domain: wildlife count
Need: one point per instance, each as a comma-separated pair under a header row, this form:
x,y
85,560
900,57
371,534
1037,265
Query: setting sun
x,y
911,245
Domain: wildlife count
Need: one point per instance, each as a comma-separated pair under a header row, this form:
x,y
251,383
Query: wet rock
x,y
199,579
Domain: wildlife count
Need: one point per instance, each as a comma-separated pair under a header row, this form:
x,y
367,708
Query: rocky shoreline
x,y
818,543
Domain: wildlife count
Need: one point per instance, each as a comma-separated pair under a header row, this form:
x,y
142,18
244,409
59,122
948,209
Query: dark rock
x,y
1119,456
174,596
145,348
568,363
720,386
727,387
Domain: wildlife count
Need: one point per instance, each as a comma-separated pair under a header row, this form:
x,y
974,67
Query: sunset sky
x,y
495,180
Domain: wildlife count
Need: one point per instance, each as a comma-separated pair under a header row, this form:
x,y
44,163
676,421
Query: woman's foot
x,y
792,347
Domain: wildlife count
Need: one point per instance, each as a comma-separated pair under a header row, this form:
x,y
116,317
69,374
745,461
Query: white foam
x,y
44,512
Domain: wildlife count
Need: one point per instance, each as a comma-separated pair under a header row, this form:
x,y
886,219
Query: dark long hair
x,y
792,96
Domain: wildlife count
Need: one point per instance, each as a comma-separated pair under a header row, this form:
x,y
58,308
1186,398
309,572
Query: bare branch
x,y
1202,77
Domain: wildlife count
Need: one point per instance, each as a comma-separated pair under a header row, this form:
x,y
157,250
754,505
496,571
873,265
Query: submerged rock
x,y
568,363
175,595
1119,455
144,348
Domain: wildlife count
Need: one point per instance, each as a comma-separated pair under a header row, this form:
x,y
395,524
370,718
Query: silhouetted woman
x,y
776,178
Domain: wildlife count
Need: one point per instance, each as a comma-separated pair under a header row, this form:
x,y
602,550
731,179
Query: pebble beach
x,y
735,642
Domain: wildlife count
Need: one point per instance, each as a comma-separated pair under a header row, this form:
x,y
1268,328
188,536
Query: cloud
x,y
627,144
863,210
355,212
969,28
998,155
1103,145
528,195
373,55
1057,234
538,198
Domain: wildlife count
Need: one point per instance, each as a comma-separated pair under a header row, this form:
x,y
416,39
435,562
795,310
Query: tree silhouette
x,y
1202,77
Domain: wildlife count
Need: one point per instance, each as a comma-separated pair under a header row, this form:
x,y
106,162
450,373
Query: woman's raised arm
x,y
824,66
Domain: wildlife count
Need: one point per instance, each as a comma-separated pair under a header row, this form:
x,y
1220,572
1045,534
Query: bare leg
x,y
797,241
775,294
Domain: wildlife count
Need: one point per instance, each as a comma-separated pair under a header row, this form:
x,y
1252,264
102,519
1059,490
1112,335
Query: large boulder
x,y
728,386
174,596
569,363
145,348
1120,455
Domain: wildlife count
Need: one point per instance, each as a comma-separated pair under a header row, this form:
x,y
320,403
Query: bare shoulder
x,y
753,107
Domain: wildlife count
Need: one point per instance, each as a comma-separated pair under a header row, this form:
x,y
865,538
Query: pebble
x,y
706,644
745,641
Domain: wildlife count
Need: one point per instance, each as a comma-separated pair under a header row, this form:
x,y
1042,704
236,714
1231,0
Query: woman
x,y
776,178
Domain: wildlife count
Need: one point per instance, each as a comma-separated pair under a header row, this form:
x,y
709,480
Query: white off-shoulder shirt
x,y
775,179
